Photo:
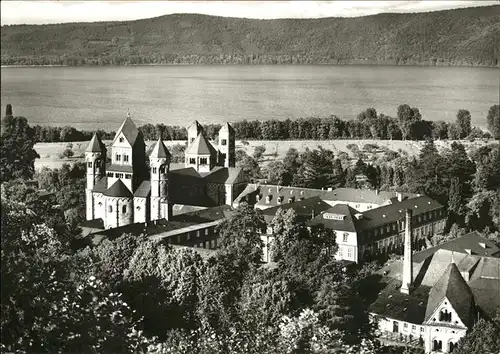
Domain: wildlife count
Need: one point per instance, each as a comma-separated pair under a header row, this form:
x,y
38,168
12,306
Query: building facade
x,y
125,191
432,299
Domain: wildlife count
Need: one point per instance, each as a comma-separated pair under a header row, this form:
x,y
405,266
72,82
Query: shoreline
x,y
352,63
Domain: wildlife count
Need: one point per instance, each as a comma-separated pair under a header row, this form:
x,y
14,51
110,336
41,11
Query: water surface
x,y
99,97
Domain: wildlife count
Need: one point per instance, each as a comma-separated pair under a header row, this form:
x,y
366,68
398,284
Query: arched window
x,y
445,316
451,347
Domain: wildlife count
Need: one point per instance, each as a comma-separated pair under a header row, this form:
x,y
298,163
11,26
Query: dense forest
x,y
460,37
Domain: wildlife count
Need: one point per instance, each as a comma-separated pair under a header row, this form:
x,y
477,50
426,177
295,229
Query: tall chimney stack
x,y
407,261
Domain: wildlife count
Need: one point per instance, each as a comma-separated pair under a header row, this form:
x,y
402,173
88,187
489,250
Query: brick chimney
x,y
407,261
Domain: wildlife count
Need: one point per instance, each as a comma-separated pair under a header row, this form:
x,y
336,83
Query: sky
x,y
41,12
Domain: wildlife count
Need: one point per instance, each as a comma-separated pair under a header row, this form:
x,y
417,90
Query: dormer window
x,y
257,197
268,199
121,139
203,161
290,200
280,199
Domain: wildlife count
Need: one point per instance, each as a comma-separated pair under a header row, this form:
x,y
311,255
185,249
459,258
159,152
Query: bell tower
x,y
159,161
227,143
95,158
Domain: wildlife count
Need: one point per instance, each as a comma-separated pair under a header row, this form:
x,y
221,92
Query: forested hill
x,y
455,37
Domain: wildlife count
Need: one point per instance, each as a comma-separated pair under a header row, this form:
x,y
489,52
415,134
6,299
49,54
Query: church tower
x,y
95,157
159,161
193,130
227,143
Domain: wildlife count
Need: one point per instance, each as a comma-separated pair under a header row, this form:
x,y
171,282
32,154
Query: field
x,y
50,152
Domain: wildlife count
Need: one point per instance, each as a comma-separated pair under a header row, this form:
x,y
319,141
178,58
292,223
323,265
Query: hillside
x,y
468,36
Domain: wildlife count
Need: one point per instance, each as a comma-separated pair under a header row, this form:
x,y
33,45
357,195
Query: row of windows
x,y
196,233
120,175
203,161
341,252
392,228
97,163
124,209
118,157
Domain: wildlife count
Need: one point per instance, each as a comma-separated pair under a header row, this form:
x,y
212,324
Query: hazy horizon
x,y
52,12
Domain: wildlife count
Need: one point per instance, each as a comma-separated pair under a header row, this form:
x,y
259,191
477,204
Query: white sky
x,y
39,12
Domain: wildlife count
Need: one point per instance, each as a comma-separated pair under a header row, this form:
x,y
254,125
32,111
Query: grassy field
x,y
50,152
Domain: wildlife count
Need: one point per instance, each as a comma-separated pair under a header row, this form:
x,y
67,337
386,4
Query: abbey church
x,y
126,191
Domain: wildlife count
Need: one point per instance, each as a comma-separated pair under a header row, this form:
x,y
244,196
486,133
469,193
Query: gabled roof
x,y
95,145
347,224
129,130
226,127
453,287
118,189
201,146
144,189
160,151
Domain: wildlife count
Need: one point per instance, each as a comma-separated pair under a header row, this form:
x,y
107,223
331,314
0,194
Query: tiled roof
x,y
485,285
101,184
118,189
472,241
119,168
435,272
144,189
187,171
220,174
393,212
201,146
347,224
306,208
392,303
95,145
274,191
366,195
160,151
453,287
205,215
350,195
129,130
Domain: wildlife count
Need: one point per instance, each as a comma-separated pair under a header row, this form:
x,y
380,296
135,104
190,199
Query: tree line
x,y
408,125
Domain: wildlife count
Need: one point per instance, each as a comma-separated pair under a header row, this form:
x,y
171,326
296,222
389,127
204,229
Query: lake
x,y
99,97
